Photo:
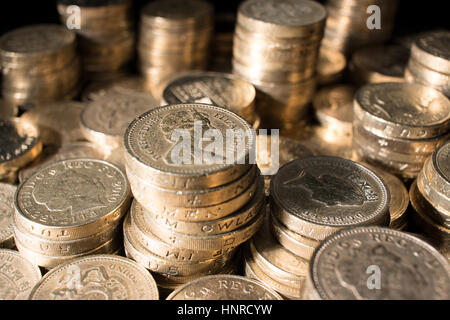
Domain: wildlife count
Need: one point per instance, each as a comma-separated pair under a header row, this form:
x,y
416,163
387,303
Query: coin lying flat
x,y
224,287
343,267
7,192
316,196
72,199
17,275
97,277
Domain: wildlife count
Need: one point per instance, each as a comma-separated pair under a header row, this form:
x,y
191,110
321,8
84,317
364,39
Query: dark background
x,y
412,16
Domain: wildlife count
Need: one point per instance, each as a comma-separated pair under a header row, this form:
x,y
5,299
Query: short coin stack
x,y
188,217
348,23
276,47
70,209
312,198
430,199
429,63
106,36
397,126
39,65
174,36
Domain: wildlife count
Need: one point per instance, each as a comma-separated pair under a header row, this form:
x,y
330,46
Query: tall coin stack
x,y
396,126
188,217
174,36
430,199
70,209
429,63
106,36
276,47
311,199
349,23
39,65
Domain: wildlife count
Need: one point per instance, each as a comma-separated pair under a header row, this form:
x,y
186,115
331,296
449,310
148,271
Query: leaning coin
x,y
17,275
97,277
7,192
352,263
224,287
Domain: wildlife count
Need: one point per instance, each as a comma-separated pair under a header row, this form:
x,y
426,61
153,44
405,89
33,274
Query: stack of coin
x,y
97,277
429,63
379,64
220,89
7,192
377,264
276,47
396,126
174,36
430,198
330,66
349,23
106,36
39,65
70,209
21,144
189,216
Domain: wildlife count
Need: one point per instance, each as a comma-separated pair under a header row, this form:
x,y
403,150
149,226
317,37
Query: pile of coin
x,y
352,24
276,47
379,64
430,199
189,216
105,30
39,65
312,198
220,89
97,277
397,126
174,36
429,63
21,144
70,209
370,263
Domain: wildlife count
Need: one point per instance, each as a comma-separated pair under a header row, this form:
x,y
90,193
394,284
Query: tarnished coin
x,y
152,153
17,275
330,66
104,121
224,287
20,144
97,277
402,110
346,265
317,196
433,50
221,89
7,192
58,123
72,199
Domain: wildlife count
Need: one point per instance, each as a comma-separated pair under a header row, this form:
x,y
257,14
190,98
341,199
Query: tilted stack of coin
x,y
276,47
106,35
396,126
429,63
21,144
174,36
70,209
39,65
430,199
220,89
379,64
352,24
377,264
312,198
189,215
97,277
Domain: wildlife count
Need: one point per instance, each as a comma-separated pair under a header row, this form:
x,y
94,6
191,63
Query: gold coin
x,y
224,287
431,49
89,195
7,192
330,66
20,144
18,275
116,278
